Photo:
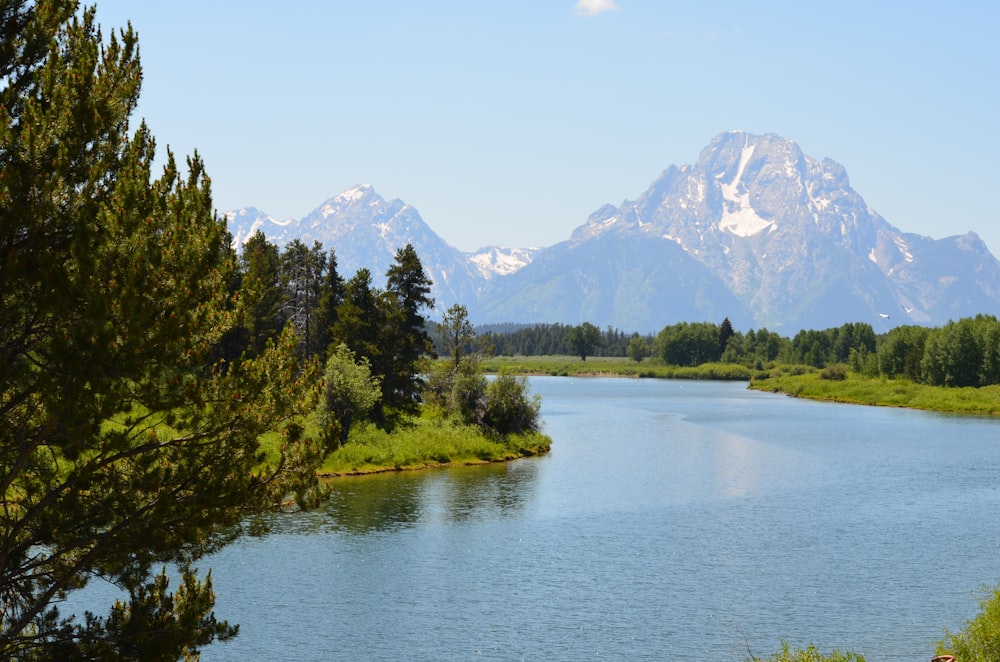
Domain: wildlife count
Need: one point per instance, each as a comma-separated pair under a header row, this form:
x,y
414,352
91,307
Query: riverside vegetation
x,y
158,393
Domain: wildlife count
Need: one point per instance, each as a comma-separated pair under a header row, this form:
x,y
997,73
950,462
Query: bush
x,y
349,394
509,408
979,640
836,371
811,654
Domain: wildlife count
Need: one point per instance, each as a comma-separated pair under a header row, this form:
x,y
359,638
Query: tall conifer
x,y
122,447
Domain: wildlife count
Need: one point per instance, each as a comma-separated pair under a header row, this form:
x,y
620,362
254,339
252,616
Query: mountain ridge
x,y
755,230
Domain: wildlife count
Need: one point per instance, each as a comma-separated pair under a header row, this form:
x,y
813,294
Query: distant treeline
x,y
961,353
550,339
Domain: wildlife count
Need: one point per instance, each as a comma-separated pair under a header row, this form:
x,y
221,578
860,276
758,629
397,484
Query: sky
x,y
509,122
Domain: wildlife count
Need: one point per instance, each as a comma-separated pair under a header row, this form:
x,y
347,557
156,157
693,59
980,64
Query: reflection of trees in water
x,y
381,502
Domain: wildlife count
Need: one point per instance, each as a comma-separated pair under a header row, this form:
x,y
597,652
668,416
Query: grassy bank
x,y
427,443
422,443
798,381
857,389
599,366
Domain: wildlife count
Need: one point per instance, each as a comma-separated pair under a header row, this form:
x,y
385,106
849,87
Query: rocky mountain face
x,y
755,231
365,230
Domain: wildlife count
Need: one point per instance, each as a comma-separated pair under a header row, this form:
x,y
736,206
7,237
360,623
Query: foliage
x,y
726,332
360,319
331,295
301,281
550,339
349,393
583,338
810,654
901,352
688,344
963,353
259,274
456,333
428,442
501,406
858,389
404,338
638,348
563,366
123,446
979,640
509,409
835,371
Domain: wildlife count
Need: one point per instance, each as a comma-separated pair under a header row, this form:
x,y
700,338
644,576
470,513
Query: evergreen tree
x,y
331,295
407,295
360,320
725,333
259,270
301,277
122,447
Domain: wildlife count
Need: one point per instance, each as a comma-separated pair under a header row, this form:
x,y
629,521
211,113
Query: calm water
x,y
672,520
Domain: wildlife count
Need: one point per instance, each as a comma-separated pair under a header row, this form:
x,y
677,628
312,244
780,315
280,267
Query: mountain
x,y
366,231
754,230
795,244
623,280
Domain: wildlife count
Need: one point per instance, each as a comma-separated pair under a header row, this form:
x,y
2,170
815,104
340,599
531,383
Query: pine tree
x,y
122,447
360,321
301,275
407,295
260,288
331,295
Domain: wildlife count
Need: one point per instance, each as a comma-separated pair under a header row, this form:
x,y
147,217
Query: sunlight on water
x,y
671,520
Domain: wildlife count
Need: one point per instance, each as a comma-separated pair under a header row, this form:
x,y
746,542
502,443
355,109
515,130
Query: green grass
x,y
600,366
857,389
427,442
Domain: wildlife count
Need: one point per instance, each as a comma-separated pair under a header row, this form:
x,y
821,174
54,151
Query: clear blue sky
x,y
510,121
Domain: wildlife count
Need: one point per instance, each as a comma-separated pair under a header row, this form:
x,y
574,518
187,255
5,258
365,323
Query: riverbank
x,y
427,443
857,389
601,366
795,381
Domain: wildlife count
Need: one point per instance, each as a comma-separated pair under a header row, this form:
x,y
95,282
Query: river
x,y
672,520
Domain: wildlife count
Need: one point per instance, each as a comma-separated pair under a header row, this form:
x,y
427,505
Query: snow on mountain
x,y
755,230
500,260
738,215
789,236
243,223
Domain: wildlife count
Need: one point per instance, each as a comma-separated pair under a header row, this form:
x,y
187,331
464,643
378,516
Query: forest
x,y
962,353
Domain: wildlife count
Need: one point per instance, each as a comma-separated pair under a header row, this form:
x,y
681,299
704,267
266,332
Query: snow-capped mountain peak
x,y
754,230
494,261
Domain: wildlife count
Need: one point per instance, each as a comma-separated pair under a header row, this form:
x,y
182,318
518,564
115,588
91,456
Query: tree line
x,y
965,352
556,339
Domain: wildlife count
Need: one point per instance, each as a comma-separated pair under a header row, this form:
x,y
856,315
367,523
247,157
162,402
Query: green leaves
x,y
123,443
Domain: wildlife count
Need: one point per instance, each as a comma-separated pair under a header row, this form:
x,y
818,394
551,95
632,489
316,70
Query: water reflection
x,y
396,501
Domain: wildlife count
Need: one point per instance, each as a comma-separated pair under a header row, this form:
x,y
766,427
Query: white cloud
x,y
593,7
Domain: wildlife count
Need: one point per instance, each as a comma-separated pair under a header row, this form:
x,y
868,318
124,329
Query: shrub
x,y
811,654
979,640
509,408
835,371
